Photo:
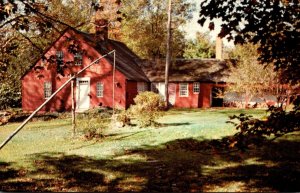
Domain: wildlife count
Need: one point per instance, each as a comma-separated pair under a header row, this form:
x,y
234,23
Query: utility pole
x,y
168,54
73,108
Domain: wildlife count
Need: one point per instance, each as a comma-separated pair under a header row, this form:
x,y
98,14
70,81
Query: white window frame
x,y
47,89
78,59
100,89
184,86
196,87
141,87
59,57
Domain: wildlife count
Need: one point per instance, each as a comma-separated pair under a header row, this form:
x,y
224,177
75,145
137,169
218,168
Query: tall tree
x,y
248,77
109,10
168,57
199,47
144,26
273,24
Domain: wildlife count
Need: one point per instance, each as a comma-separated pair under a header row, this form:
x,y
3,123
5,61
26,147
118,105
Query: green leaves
x,y
10,95
200,47
148,107
252,130
144,27
273,24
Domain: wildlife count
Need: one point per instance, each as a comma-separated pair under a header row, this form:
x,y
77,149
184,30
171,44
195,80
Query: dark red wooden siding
x,y
33,82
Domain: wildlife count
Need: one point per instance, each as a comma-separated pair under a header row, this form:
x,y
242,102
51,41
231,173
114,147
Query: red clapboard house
x,y
94,86
192,82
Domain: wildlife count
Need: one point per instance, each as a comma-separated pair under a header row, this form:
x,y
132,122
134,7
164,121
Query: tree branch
x,y
28,39
48,17
11,20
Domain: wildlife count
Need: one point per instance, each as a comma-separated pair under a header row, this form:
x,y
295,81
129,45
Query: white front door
x,y
83,91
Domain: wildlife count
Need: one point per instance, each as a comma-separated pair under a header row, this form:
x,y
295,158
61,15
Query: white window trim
x,y
78,59
47,92
196,83
187,89
98,89
60,55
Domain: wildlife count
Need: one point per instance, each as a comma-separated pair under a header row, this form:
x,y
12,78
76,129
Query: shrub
x,y
148,107
93,122
252,131
124,118
10,96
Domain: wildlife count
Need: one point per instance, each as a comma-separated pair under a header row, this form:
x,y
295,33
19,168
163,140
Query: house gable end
x,y
45,52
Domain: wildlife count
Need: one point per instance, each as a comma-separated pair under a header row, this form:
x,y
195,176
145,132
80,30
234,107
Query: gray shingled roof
x,y
188,70
127,62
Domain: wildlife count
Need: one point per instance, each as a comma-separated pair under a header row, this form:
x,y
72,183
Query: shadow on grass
x,y
170,124
184,165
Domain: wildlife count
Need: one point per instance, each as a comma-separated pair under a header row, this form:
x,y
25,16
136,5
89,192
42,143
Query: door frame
x,y
77,91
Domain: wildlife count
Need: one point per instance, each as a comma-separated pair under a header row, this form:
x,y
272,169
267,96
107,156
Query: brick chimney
x,y
219,48
101,29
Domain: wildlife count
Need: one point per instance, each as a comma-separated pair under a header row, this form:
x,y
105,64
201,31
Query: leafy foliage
x,y
93,122
148,107
24,36
272,24
10,95
200,47
124,118
144,26
109,10
248,77
252,131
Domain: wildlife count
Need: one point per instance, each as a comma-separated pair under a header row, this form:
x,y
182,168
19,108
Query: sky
x,y
192,27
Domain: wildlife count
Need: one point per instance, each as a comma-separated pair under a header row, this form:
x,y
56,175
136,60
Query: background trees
x,y
200,47
27,28
272,24
144,26
248,77
33,25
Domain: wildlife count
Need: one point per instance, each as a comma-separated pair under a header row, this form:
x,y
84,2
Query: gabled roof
x,y
126,61
188,70
44,52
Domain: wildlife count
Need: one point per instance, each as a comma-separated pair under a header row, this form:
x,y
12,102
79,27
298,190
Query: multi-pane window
x,y
100,89
141,87
196,87
59,57
183,89
47,89
78,59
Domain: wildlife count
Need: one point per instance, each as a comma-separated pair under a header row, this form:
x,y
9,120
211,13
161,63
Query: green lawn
x,y
173,157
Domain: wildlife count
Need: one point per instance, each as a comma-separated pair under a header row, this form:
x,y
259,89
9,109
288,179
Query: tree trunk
x,y
168,55
248,98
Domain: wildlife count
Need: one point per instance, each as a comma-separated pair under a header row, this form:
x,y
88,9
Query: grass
x,y
173,157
